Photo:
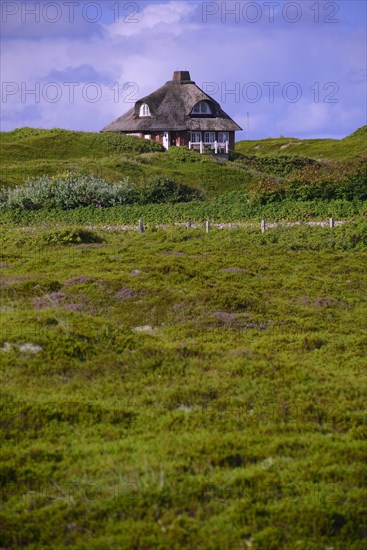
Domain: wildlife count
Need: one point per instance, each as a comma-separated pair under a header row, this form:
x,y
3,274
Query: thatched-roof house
x,y
179,113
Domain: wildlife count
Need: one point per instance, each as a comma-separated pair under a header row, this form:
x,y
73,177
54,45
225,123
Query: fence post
x,y
201,148
331,222
141,226
207,226
188,225
216,147
263,226
189,144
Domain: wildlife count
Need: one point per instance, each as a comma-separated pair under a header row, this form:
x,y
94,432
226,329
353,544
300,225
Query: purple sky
x,y
297,68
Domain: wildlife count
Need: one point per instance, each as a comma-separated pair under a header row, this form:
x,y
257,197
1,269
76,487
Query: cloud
x,y
81,73
43,20
308,116
358,76
172,36
171,18
27,116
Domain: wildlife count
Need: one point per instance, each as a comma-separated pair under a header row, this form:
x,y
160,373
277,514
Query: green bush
x,y
322,181
331,181
70,235
354,235
127,144
280,165
166,190
68,191
56,142
183,154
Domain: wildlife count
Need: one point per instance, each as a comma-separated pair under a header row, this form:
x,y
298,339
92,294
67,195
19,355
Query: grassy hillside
x,y
265,172
354,145
32,144
30,152
178,390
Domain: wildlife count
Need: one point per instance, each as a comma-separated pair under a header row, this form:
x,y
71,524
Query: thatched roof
x,y
170,107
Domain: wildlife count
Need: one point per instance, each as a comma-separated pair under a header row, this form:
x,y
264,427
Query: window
x,y
195,137
144,110
209,137
201,108
223,137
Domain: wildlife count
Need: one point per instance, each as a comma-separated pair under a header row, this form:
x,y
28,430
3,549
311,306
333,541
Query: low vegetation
x,y
31,153
133,178
334,180
67,192
350,147
233,207
178,389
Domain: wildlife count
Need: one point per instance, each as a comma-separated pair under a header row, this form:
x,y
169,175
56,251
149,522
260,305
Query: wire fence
x,y
208,225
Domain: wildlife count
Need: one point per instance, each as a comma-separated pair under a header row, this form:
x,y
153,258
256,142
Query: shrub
x,y
354,235
336,180
165,190
323,181
65,192
74,192
70,235
280,165
183,154
121,143
70,191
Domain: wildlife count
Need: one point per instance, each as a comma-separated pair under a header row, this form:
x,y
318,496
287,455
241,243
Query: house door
x,y
166,138
172,141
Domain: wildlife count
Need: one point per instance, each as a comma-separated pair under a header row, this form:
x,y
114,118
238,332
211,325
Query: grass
x,y
178,389
351,146
234,207
30,152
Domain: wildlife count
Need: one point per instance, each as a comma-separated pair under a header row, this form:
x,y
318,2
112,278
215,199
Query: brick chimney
x,y
179,76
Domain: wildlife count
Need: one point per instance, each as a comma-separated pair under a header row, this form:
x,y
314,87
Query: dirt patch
x,y
232,270
224,316
258,326
329,302
87,246
27,347
73,307
49,300
145,329
8,281
326,301
80,279
179,306
236,321
125,293
178,254
57,299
